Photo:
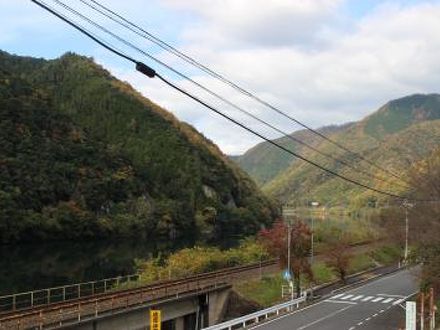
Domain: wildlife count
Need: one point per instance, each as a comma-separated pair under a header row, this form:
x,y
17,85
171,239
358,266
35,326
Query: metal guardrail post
x,y
14,300
48,296
32,298
79,290
105,286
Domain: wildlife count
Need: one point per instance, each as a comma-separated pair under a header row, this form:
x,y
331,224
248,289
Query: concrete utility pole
x,y
288,213
407,206
314,205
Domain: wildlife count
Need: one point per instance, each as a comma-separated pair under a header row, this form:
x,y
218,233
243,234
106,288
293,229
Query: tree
x,y
424,218
275,240
337,254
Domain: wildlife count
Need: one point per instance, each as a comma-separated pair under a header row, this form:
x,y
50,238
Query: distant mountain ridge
x,y
400,132
264,161
83,154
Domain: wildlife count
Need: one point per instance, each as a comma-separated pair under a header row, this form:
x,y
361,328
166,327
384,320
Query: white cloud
x,y
390,53
310,57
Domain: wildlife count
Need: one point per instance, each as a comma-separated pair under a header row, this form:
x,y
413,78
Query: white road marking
x,y
357,298
374,315
352,328
398,301
390,295
377,299
337,296
323,301
368,319
367,298
340,302
346,297
388,300
382,310
323,318
360,323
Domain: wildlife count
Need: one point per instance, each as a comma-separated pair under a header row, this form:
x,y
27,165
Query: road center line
x,y
324,318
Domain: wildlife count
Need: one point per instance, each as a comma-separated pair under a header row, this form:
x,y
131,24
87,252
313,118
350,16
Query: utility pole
x,y
431,309
313,204
288,213
289,243
407,206
422,311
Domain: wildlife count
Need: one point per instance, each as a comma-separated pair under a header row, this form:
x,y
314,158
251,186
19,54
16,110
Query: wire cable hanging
x,y
223,99
166,46
145,69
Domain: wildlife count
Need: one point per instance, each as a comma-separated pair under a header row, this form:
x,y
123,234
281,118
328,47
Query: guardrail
x,y
44,297
99,305
257,317
30,299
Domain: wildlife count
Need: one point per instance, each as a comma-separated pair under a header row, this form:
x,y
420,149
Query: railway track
x,y
57,314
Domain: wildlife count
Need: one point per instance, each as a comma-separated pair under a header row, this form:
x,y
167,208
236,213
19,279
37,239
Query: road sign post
x,y
410,315
155,319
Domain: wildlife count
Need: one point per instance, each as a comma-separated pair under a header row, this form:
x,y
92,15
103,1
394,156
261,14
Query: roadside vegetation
x,y
267,290
199,260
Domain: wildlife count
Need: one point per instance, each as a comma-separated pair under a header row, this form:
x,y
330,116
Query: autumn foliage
x,y
275,240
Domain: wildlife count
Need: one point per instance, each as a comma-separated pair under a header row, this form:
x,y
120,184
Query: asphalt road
x,y
374,305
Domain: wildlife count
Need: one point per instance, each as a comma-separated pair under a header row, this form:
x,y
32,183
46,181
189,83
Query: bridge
x,y
188,303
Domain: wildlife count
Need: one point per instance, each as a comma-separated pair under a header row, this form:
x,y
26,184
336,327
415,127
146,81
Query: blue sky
x,y
322,61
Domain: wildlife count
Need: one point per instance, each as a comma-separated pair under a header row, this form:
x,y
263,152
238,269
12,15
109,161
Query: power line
x,y
166,46
209,91
143,68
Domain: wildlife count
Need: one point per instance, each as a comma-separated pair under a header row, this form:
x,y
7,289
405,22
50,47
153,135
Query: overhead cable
x,y
145,69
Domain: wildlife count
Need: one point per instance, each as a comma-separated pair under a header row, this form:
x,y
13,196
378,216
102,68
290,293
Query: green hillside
x,y
399,133
264,162
82,154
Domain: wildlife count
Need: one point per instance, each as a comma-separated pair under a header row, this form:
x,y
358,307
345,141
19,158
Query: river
x,y
34,266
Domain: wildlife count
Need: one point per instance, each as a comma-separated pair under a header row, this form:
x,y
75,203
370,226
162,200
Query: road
x,y
374,305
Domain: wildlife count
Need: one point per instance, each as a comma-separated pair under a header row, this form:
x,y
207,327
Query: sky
x,y
320,61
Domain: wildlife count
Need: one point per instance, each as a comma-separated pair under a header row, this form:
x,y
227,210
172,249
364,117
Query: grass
x,y
265,292
323,273
386,254
361,262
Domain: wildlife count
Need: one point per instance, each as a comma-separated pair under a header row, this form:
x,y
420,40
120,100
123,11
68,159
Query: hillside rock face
x,y
83,154
398,134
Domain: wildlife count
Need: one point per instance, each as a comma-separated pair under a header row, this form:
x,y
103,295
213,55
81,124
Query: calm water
x,y
34,266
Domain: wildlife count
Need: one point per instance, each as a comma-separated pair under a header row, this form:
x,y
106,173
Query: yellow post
x,y
155,319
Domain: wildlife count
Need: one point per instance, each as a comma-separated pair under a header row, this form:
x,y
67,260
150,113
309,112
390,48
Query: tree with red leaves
x,y
275,240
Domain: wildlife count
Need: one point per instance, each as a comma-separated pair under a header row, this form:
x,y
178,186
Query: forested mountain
x,y
264,161
82,154
399,133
